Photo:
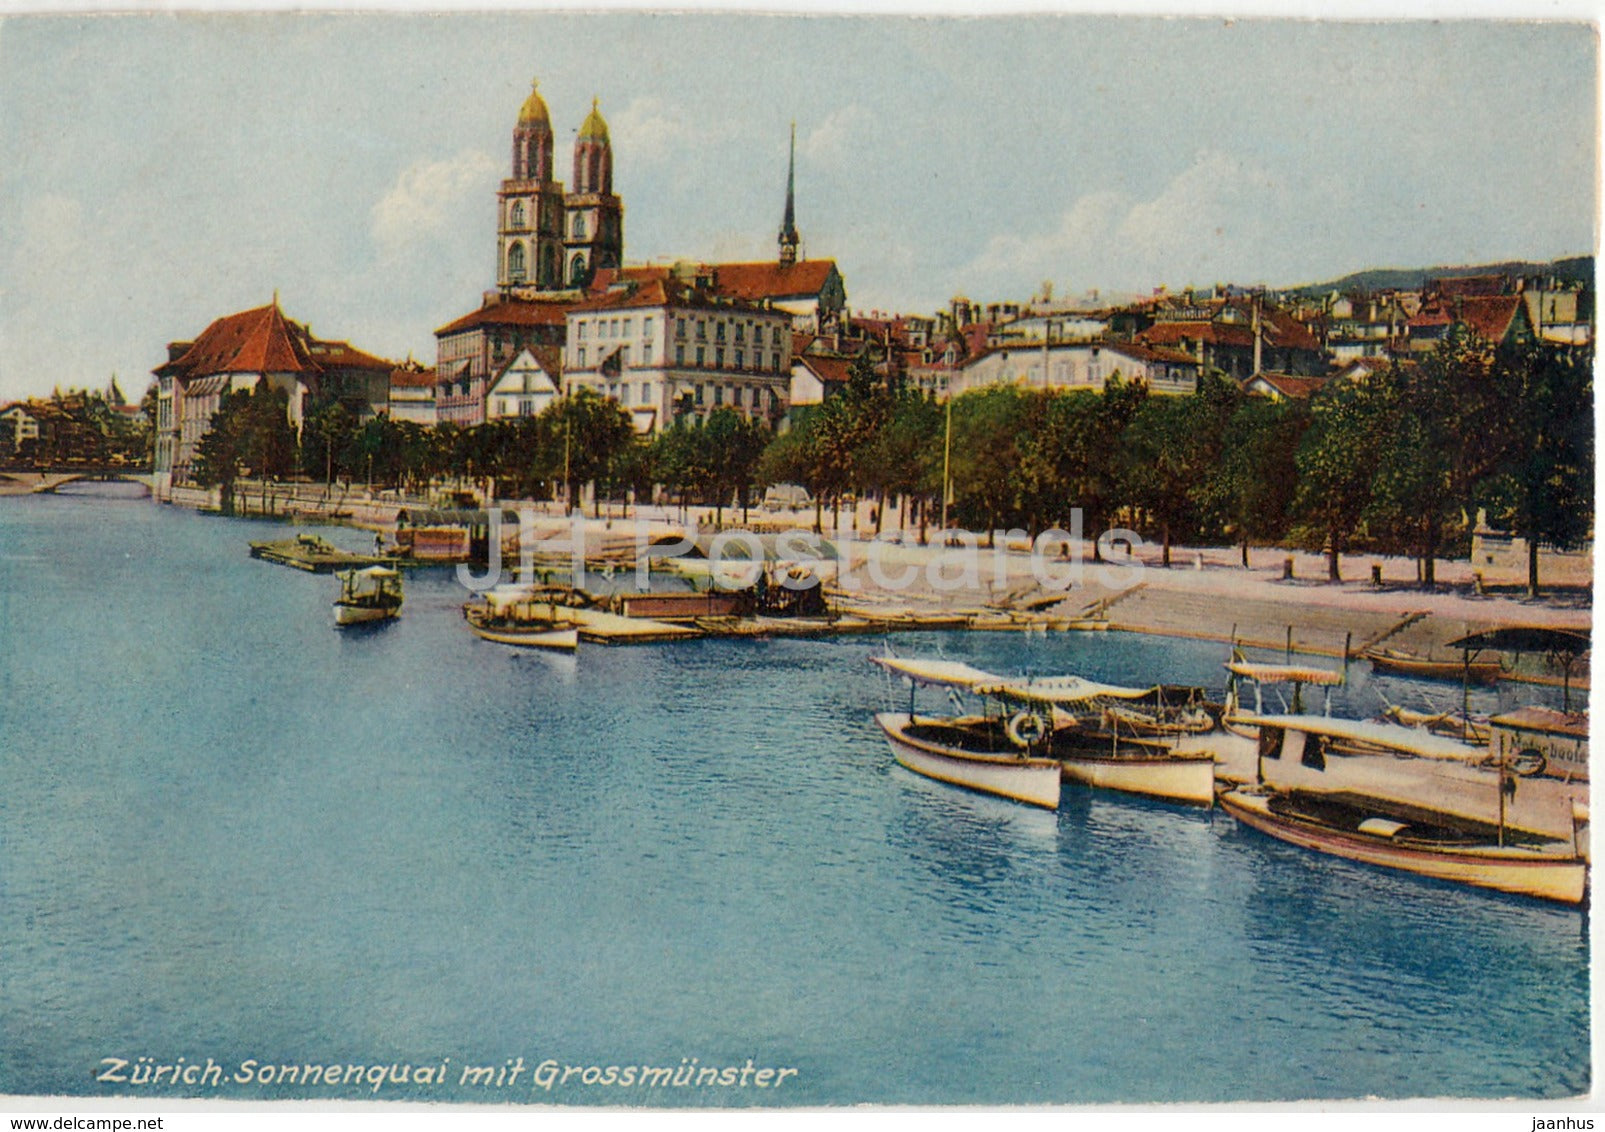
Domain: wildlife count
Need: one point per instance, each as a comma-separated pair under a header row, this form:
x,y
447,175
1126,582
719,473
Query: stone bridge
x,y
25,483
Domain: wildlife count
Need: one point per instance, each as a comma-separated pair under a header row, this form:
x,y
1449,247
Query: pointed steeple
x,y
788,226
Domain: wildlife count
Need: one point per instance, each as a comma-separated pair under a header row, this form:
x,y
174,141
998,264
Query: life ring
x,y
1529,763
1026,728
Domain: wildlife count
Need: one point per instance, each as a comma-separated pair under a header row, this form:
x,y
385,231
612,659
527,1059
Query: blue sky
x,y
161,170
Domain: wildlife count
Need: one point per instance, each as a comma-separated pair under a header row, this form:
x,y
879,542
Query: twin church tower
x,y
548,239
551,240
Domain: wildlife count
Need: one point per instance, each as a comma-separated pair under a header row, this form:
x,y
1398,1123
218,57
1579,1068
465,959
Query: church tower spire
x,y
788,225
529,251
593,236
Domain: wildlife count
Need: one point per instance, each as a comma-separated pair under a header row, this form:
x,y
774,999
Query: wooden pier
x,y
315,555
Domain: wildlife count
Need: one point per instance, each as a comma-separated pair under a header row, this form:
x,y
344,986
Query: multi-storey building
x,y
666,347
240,351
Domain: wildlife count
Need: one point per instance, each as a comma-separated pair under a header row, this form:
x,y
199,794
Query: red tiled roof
x,y
830,371
253,341
513,312
1289,386
262,340
343,355
1489,317
755,282
1145,353
411,377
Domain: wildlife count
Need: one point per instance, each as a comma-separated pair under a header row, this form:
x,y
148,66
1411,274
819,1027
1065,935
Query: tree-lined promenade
x,y
1398,462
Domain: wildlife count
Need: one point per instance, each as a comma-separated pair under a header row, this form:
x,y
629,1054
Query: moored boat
x,y
1394,662
367,595
936,749
1115,738
523,617
1503,787
1091,748
1418,841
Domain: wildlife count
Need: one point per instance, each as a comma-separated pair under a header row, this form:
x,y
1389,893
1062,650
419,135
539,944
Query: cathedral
x,y
549,239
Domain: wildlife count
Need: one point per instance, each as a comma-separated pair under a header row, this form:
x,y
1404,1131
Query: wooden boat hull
x,y
1171,775
1527,872
562,637
349,614
1419,668
1034,781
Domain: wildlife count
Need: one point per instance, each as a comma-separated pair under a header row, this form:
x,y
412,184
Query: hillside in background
x,y
1575,269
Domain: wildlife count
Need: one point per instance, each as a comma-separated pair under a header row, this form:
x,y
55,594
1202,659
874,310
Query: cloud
x,y
1220,218
427,200
832,142
650,132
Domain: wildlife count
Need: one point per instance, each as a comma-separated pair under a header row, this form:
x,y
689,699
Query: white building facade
x,y
660,353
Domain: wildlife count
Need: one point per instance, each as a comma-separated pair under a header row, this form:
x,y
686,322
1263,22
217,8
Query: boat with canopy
x,y
1066,720
524,616
367,595
964,750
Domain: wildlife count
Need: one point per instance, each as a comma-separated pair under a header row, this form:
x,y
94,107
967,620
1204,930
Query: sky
x,y
158,171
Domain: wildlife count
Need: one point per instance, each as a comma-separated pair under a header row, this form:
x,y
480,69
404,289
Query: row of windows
x,y
700,357
613,327
700,329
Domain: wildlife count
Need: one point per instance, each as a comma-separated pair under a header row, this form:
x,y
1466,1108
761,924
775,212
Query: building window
x,y
579,225
627,324
699,391
718,332
718,356
741,332
515,263
646,393
624,354
582,357
582,331
700,352
679,328
741,360
646,328
702,331
735,394
774,339
518,214
718,395
679,355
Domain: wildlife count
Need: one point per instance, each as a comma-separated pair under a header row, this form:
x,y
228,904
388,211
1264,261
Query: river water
x,y
239,842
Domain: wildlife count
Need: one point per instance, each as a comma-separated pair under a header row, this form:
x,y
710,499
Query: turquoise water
x,y
230,832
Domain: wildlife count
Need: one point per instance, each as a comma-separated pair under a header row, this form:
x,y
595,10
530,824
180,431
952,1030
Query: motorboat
x,y
367,595
525,617
1061,720
1415,840
972,751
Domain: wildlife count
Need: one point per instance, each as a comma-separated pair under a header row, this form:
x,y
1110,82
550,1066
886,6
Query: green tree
x,y
249,432
1336,461
986,455
1253,482
1543,487
593,430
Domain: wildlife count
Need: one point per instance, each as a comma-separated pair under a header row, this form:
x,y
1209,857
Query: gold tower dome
x,y
594,128
534,111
